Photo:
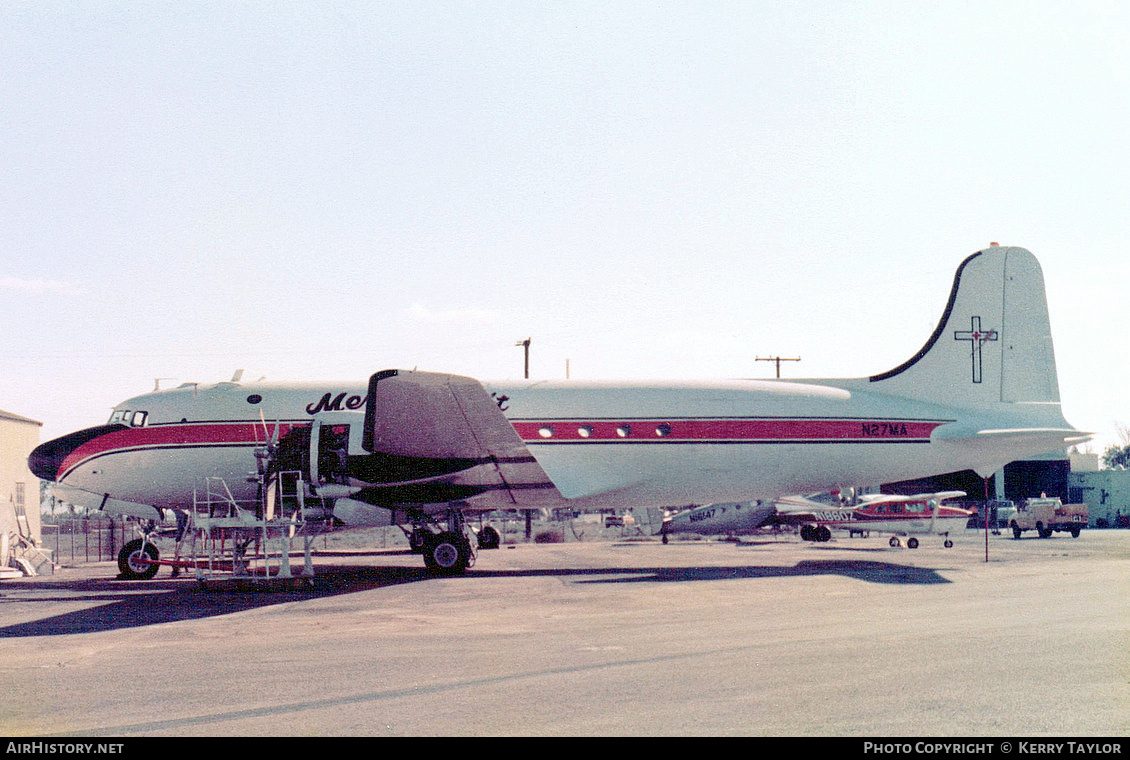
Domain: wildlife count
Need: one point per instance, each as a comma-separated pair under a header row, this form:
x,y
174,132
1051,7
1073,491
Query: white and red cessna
x,y
900,515
421,448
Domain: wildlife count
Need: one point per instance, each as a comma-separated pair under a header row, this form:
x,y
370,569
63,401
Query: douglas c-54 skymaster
x,y
430,449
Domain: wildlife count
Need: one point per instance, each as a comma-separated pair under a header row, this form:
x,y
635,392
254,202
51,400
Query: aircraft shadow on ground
x,y
872,572
134,604
121,605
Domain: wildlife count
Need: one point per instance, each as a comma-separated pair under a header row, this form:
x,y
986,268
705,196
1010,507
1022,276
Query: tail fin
x,y
993,343
648,519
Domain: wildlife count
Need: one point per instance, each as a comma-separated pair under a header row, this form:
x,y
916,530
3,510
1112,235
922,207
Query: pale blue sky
x,y
647,189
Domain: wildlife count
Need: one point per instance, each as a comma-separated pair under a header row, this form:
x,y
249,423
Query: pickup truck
x,y
1046,516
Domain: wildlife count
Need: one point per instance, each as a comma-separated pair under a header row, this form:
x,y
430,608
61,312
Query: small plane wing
x,y
793,509
946,495
793,505
940,496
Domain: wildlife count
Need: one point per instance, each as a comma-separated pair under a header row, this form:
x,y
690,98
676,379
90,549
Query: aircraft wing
x,y
799,505
104,503
449,425
947,495
871,498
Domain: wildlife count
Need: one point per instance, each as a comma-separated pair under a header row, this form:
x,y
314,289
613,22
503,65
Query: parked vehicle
x,y
1046,516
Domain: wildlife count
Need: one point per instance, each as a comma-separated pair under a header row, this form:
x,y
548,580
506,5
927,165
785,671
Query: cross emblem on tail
x,y
976,337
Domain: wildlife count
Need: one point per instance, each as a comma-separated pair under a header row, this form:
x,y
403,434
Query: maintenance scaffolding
x,y
252,542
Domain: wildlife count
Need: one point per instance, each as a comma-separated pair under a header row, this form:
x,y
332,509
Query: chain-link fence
x,y
84,538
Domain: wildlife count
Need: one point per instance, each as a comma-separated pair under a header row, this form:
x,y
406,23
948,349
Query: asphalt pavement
x,y
767,637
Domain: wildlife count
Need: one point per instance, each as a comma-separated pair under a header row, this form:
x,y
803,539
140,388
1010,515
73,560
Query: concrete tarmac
x,y
769,637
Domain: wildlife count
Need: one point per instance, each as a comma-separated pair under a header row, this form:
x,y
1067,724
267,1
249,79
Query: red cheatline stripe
x,y
572,431
752,430
174,436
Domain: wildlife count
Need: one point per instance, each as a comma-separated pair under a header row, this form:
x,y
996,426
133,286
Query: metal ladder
x,y
253,542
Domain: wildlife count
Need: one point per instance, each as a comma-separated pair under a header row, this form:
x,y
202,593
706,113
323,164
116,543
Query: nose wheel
x,y
137,561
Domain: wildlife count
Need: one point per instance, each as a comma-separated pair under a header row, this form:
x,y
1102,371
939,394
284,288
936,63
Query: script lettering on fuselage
x,y
884,429
331,403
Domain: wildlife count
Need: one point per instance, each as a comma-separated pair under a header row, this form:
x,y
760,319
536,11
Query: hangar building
x,y
18,487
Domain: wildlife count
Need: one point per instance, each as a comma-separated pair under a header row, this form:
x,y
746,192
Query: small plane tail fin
x,y
993,344
648,519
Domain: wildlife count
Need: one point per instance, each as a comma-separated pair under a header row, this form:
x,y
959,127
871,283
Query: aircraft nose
x,y
46,458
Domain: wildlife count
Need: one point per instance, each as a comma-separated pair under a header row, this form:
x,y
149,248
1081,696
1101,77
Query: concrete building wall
x,y
18,436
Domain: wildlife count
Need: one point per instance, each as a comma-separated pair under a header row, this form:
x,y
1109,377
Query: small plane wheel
x,y
131,564
664,539
1075,533
894,541
489,538
912,543
948,544
1016,531
447,553
823,533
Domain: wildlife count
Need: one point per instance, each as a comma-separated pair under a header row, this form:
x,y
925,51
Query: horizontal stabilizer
x,y
1057,438
1011,443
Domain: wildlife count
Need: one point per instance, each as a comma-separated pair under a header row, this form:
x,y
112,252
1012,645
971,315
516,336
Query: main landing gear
x,y
818,533
451,549
912,542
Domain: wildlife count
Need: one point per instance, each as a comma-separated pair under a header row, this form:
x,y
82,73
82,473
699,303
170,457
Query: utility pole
x,y
778,360
526,345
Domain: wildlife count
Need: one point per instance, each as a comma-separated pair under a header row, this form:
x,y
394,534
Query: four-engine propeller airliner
x,y
425,448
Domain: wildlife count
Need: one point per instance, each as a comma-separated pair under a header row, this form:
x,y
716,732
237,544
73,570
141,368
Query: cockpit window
x,y
129,417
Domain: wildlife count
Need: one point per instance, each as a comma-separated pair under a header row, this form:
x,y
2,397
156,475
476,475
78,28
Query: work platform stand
x,y
251,543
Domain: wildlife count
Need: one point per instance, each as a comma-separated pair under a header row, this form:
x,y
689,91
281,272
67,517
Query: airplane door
x,y
329,447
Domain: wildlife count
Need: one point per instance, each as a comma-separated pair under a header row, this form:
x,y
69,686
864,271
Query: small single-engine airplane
x,y
431,450
900,515
723,519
